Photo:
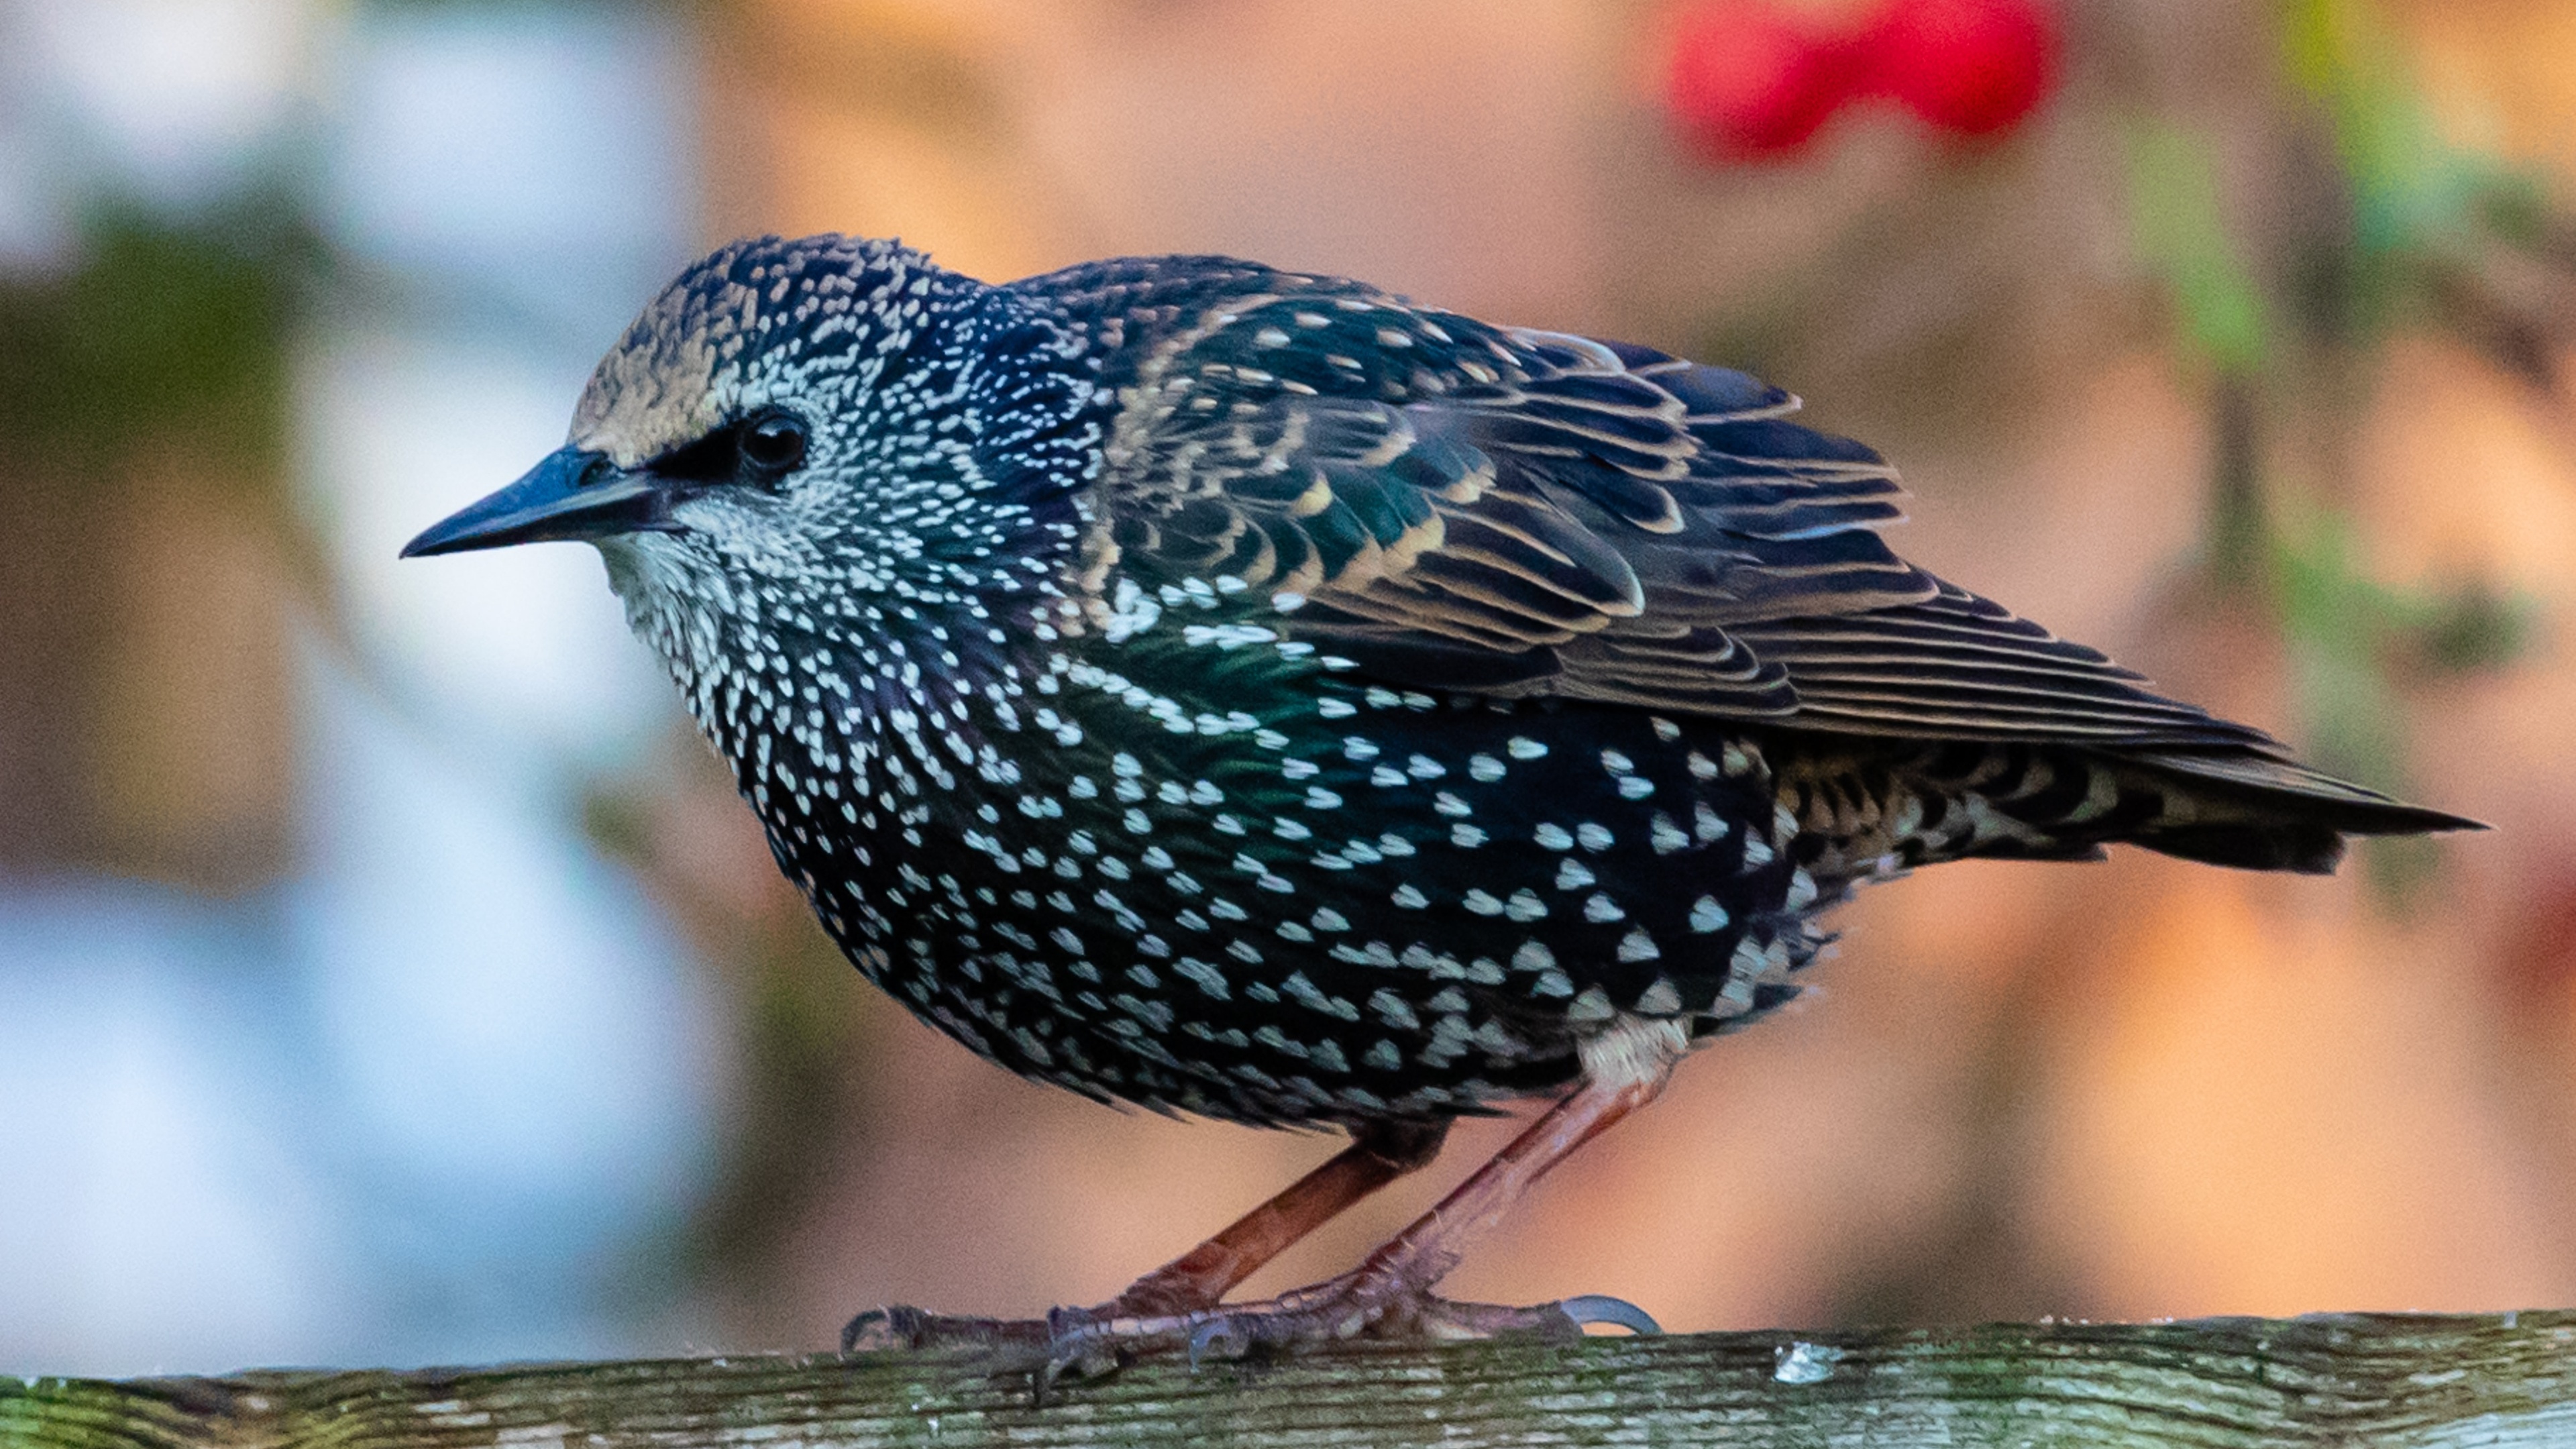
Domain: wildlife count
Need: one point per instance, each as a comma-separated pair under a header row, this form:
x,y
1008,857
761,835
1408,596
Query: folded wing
x,y
1525,513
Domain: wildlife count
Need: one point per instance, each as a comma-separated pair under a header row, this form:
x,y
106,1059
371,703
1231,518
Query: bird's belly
x,y
1414,911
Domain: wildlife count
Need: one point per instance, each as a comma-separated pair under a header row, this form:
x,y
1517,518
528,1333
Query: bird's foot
x,y
902,1327
1151,1309
1384,1307
1079,1343
1069,1343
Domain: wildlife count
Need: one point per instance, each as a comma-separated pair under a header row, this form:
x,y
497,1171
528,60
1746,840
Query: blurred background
x,y
388,976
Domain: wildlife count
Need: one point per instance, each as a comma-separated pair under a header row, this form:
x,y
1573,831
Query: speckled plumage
x,y
1251,694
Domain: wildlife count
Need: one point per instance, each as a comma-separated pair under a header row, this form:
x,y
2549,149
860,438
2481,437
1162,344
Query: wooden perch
x,y
2340,1380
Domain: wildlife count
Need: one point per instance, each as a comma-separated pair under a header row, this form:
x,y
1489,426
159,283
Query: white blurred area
x,y
506,186
436,1097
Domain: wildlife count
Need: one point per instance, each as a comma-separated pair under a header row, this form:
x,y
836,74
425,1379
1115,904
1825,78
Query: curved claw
x,y
1078,1347
883,1328
1043,1380
851,1330
1221,1336
1602,1308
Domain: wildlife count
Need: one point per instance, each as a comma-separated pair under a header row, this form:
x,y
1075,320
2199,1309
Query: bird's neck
x,y
767,670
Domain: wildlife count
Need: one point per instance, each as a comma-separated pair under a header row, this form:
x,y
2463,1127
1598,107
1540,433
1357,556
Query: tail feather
x,y
1863,801
2264,812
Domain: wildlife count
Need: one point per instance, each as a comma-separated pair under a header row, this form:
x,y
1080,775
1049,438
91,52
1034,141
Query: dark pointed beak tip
x,y
567,496
478,526
429,542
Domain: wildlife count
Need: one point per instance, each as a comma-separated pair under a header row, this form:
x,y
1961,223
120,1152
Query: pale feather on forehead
x,y
683,367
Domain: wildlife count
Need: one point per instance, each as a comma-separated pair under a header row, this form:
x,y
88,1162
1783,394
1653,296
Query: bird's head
x,y
822,428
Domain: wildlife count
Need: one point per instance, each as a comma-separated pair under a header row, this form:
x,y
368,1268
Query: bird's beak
x,y
572,494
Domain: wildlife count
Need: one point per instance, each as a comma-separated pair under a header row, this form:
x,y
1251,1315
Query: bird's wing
x,y
1515,512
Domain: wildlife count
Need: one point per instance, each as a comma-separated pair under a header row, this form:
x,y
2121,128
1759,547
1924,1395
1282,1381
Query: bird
x,y
1248,694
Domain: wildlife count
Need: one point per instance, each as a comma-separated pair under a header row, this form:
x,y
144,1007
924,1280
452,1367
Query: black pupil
x,y
774,445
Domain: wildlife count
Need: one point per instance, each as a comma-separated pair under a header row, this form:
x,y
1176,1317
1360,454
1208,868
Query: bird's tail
x,y
2264,812
2242,803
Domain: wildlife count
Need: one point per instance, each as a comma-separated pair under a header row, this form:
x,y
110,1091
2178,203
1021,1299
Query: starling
x,y
1251,694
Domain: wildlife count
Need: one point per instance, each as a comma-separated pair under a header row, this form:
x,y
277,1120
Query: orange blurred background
x,y
2127,1090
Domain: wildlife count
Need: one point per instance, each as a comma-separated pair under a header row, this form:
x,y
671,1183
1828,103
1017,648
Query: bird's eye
x,y
774,446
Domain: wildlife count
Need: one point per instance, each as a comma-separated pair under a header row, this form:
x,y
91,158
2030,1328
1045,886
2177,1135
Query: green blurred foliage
x,y
2410,193
144,428
156,329
2219,313
2420,222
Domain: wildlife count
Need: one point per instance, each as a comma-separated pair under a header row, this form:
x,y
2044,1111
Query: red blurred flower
x,y
1748,80
1970,67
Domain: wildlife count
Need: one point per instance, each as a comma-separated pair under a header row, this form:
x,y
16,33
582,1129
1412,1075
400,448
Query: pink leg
x,y
1438,1241
1201,1277
1390,1292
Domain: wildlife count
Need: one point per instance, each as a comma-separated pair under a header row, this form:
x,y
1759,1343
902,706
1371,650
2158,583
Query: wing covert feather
x,y
1522,512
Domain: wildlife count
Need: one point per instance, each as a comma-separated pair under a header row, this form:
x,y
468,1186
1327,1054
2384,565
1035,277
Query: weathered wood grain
x,y
2501,1380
